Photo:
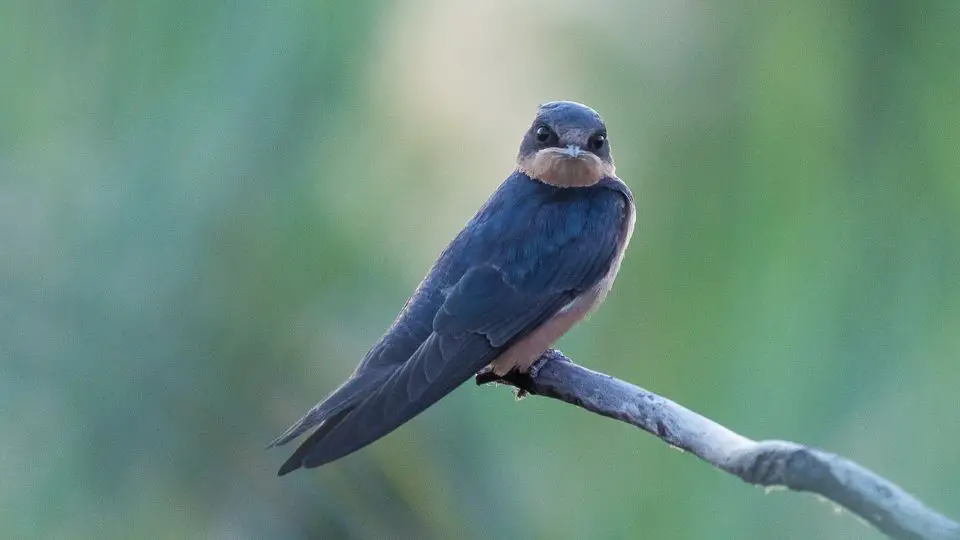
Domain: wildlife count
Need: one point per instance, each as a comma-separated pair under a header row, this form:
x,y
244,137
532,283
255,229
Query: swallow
x,y
538,256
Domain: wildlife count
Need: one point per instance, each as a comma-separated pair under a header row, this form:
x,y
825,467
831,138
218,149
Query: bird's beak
x,y
573,151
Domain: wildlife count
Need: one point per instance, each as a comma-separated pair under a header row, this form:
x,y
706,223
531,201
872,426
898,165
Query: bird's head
x,y
566,146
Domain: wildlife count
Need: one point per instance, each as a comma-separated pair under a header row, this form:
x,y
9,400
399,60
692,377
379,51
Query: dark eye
x,y
544,134
597,141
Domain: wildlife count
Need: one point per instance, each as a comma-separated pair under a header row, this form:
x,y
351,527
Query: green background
x,y
210,210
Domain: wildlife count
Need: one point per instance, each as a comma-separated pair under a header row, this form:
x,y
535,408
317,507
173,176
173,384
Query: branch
x,y
765,463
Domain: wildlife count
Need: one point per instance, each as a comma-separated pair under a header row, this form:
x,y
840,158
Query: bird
x,y
537,257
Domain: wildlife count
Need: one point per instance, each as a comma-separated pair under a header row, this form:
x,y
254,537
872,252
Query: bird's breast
x,y
521,355
599,292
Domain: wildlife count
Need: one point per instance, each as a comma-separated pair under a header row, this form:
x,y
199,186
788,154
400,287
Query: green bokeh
x,y
208,211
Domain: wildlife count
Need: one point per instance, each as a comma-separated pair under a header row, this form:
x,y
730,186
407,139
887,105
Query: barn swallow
x,y
536,258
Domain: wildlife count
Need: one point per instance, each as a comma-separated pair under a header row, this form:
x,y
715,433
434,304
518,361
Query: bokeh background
x,y
209,210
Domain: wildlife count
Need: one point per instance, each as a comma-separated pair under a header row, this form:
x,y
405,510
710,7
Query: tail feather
x,y
361,412
295,461
344,398
439,366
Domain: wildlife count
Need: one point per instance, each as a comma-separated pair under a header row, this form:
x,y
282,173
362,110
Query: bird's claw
x,y
523,382
538,364
487,376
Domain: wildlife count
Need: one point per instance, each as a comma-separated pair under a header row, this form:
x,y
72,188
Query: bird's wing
x,y
482,315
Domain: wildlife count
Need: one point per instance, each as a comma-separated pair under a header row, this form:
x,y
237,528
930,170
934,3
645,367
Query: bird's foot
x,y
487,376
522,382
537,365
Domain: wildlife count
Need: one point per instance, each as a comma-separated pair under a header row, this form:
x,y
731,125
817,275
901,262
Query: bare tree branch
x,y
766,463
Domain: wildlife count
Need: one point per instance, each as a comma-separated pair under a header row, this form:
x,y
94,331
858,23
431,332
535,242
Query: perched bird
x,y
538,256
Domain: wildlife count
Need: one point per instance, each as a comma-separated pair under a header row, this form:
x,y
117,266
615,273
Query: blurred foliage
x,y
209,210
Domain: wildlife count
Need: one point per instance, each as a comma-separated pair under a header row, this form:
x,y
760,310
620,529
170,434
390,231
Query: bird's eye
x,y
544,134
597,141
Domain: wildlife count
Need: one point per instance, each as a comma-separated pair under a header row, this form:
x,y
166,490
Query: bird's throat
x,y
557,168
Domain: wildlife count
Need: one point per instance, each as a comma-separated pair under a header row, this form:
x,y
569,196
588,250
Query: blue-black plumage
x,y
540,254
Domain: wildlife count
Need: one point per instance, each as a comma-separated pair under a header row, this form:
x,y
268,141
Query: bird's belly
x,y
522,354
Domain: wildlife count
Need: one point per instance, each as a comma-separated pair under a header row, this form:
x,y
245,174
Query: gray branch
x,y
765,463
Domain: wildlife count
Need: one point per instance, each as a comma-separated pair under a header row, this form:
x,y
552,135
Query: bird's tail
x,y
438,366
334,407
